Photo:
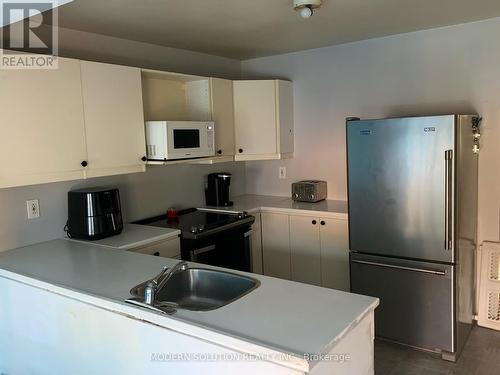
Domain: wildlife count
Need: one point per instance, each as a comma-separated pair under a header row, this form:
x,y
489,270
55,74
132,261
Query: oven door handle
x,y
203,250
248,233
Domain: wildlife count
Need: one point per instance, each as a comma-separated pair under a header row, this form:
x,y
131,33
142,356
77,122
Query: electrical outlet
x,y
282,173
33,207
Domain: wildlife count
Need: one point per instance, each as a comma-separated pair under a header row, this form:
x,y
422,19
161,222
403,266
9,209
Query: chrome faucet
x,y
158,282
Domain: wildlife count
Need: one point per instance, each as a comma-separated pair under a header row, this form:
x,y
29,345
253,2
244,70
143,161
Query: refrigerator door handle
x,y
448,229
422,270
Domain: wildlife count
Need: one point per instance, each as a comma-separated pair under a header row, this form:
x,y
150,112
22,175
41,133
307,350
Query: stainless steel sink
x,y
197,289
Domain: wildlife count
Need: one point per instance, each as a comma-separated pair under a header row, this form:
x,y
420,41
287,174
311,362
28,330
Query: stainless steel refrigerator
x,y
412,186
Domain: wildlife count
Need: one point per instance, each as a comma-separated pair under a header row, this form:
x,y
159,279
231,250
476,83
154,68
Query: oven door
x,y
228,249
189,139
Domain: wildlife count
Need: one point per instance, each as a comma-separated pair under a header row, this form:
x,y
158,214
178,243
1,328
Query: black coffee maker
x,y
217,191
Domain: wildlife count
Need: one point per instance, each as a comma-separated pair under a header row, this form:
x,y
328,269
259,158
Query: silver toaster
x,y
309,191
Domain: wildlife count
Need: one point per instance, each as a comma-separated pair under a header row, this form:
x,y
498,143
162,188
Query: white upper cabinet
x,y
223,115
114,119
263,113
42,133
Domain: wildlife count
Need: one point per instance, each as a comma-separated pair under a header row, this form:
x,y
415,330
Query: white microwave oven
x,y
170,140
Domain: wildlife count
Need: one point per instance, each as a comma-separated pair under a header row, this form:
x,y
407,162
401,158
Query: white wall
x,y
88,46
449,70
143,194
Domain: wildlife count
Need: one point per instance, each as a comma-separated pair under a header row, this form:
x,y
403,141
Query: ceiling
x,y
244,29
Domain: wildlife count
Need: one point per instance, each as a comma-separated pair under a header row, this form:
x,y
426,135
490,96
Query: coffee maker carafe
x,y
217,191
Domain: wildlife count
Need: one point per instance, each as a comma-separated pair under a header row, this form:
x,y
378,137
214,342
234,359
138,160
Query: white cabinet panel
x,y
285,116
114,119
335,254
166,249
276,245
263,118
255,117
256,243
305,249
223,115
42,134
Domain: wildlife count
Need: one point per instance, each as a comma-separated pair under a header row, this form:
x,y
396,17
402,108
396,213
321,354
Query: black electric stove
x,y
197,223
216,237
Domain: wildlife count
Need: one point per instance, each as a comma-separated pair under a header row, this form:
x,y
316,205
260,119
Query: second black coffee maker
x,y
217,191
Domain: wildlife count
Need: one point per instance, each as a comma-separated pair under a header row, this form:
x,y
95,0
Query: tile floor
x,y
481,356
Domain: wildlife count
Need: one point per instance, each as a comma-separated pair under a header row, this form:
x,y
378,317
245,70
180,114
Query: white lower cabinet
x,y
276,245
307,249
334,240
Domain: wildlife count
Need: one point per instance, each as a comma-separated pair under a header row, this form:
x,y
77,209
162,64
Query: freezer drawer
x,y
416,299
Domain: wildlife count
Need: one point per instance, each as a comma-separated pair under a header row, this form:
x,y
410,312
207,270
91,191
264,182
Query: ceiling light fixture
x,y
306,7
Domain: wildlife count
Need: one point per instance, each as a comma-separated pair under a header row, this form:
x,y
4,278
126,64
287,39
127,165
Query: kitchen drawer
x,y
166,249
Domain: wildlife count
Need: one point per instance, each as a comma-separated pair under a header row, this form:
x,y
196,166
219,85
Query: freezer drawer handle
x,y
433,272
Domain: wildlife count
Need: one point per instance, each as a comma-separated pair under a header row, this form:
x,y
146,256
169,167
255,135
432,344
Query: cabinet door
x,y
284,93
166,249
305,250
42,133
255,117
276,245
223,115
335,254
114,118
256,243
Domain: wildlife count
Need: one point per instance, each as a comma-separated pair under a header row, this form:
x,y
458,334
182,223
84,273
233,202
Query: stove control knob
x,y
194,230
201,228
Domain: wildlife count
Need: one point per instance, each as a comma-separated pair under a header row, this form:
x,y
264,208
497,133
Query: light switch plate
x,y
33,207
282,173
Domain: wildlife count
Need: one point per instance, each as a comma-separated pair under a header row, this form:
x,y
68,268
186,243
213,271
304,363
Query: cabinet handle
x,y
322,222
157,254
84,163
219,152
314,222
144,159
240,150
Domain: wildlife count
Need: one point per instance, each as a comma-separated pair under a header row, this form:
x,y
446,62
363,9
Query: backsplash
x,y
142,195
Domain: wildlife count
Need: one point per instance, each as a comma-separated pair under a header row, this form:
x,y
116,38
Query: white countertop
x,y
255,203
280,316
134,236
